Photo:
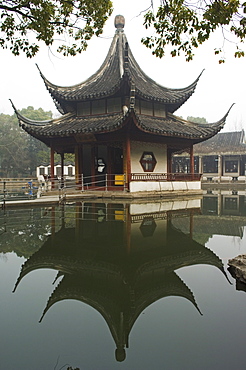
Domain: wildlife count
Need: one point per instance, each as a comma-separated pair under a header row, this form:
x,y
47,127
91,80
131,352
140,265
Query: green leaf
x,y
80,20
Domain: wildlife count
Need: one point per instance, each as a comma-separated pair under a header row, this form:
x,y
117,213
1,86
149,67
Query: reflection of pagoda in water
x,y
119,263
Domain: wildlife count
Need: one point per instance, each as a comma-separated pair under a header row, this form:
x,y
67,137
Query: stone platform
x,y
54,197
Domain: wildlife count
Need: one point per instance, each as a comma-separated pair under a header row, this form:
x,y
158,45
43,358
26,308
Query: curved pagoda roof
x,y
118,67
70,124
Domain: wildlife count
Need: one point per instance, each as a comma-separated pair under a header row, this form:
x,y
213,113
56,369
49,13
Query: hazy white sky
x,y
218,88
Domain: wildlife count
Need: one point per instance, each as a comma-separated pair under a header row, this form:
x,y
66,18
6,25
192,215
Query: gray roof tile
x,y
69,124
222,143
119,66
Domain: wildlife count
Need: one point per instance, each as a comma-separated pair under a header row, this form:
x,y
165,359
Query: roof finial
x,y
119,21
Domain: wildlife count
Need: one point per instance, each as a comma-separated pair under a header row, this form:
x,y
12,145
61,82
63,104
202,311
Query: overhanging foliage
x,y
184,25
76,20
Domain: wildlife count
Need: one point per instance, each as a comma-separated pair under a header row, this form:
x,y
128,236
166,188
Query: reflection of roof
x,y
118,284
58,251
119,303
222,143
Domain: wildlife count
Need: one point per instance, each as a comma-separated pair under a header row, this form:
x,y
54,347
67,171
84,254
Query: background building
x,y
221,158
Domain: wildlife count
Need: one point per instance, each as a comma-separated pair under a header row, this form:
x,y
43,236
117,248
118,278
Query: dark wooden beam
x,y
191,160
128,158
62,170
52,167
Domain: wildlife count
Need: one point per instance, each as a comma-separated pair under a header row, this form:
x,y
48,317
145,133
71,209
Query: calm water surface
x,y
123,286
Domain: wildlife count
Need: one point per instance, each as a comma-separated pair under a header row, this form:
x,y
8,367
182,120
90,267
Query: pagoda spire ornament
x,y
119,21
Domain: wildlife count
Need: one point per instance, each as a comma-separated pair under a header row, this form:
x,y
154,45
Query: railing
x,y
66,185
112,182
165,177
18,189
215,178
17,220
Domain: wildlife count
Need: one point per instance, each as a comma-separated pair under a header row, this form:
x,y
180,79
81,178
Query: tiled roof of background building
x,y
224,142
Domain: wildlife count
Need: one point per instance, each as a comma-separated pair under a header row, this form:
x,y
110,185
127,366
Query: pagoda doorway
x,y
100,165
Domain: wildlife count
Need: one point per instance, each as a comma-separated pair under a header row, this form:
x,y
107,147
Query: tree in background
x,y
197,119
76,20
184,25
34,146
19,152
13,153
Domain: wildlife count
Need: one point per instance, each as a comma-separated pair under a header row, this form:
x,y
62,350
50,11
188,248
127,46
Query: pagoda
x,y
120,124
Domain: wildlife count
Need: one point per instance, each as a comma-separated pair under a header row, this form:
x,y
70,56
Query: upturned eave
x,y
119,66
71,125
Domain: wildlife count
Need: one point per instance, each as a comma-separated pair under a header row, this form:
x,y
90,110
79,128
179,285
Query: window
x,y
148,161
98,106
182,164
41,171
70,171
159,110
210,164
147,108
58,171
231,166
83,109
114,105
231,203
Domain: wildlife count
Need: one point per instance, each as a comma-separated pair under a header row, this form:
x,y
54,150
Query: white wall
x,y
159,151
46,171
137,186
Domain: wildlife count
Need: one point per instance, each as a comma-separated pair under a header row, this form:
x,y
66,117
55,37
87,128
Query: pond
x,y
104,285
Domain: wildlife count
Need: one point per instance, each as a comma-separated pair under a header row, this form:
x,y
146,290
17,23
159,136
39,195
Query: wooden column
x,y
76,152
220,166
169,163
93,165
62,170
109,166
81,164
78,165
191,162
200,165
128,160
52,167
